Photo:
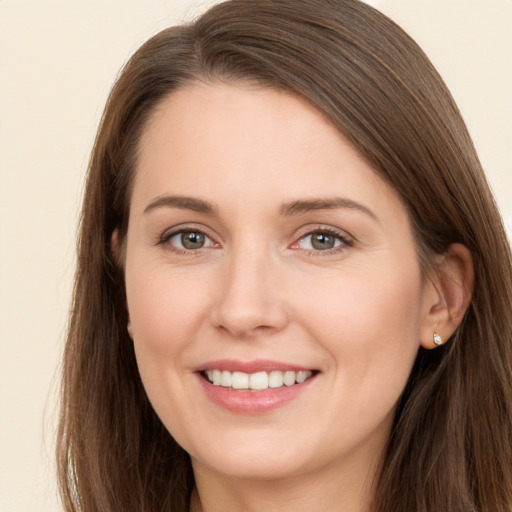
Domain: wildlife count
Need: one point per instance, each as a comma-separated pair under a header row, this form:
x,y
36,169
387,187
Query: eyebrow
x,y
308,205
181,202
286,210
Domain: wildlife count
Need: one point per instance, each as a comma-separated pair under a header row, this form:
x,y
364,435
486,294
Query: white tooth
x,y
303,375
240,380
216,377
258,381
225,381
289,378
209,374
275,379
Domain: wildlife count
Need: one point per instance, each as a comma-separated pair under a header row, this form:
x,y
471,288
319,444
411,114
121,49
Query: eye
x,y
189,240
319,241
322,240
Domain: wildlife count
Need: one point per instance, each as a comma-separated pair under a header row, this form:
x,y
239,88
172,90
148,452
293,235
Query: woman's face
x,y
265,255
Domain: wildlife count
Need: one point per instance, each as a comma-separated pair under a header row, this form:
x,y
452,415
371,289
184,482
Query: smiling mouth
x,y
259,381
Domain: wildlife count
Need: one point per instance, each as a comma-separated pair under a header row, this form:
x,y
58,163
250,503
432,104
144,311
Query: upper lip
x,y
254,366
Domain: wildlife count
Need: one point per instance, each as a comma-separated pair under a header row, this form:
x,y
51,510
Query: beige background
x,y
58,60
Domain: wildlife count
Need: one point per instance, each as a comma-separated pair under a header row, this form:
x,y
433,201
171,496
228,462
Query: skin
x,y
259,289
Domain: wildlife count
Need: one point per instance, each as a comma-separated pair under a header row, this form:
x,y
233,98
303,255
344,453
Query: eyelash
x,y
345,241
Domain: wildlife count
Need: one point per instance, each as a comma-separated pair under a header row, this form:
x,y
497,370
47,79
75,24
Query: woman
x,y
294,288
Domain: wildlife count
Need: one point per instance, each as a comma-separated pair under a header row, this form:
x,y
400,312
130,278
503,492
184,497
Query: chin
x,y
267,457
259,468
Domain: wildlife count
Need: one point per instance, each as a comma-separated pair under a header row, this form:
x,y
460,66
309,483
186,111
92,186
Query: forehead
x,y
248,142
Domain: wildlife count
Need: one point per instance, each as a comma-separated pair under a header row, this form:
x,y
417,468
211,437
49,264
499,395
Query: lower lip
x,y
252,402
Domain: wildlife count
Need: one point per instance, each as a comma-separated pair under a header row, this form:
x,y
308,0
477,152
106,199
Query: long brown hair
x,y
451,445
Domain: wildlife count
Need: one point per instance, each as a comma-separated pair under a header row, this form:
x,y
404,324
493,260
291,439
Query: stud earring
x,y
437,339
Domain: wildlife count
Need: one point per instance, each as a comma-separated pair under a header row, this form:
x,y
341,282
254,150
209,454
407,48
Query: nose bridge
x,y
249,300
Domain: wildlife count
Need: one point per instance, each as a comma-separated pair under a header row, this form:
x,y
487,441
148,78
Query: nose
x,y
250,301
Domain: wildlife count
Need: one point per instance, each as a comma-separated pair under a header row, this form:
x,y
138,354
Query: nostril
x,y
250,317
247,333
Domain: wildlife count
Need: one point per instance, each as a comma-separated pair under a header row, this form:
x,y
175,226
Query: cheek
x,y
370,332
166,312
364,299
165,309
369,323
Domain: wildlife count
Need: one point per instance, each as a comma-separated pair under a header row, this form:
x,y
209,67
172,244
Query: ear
x,y
117,250
448,295
115,246
129,328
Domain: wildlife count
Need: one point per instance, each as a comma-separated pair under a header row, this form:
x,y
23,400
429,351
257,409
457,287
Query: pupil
x,y
192,240
322,241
